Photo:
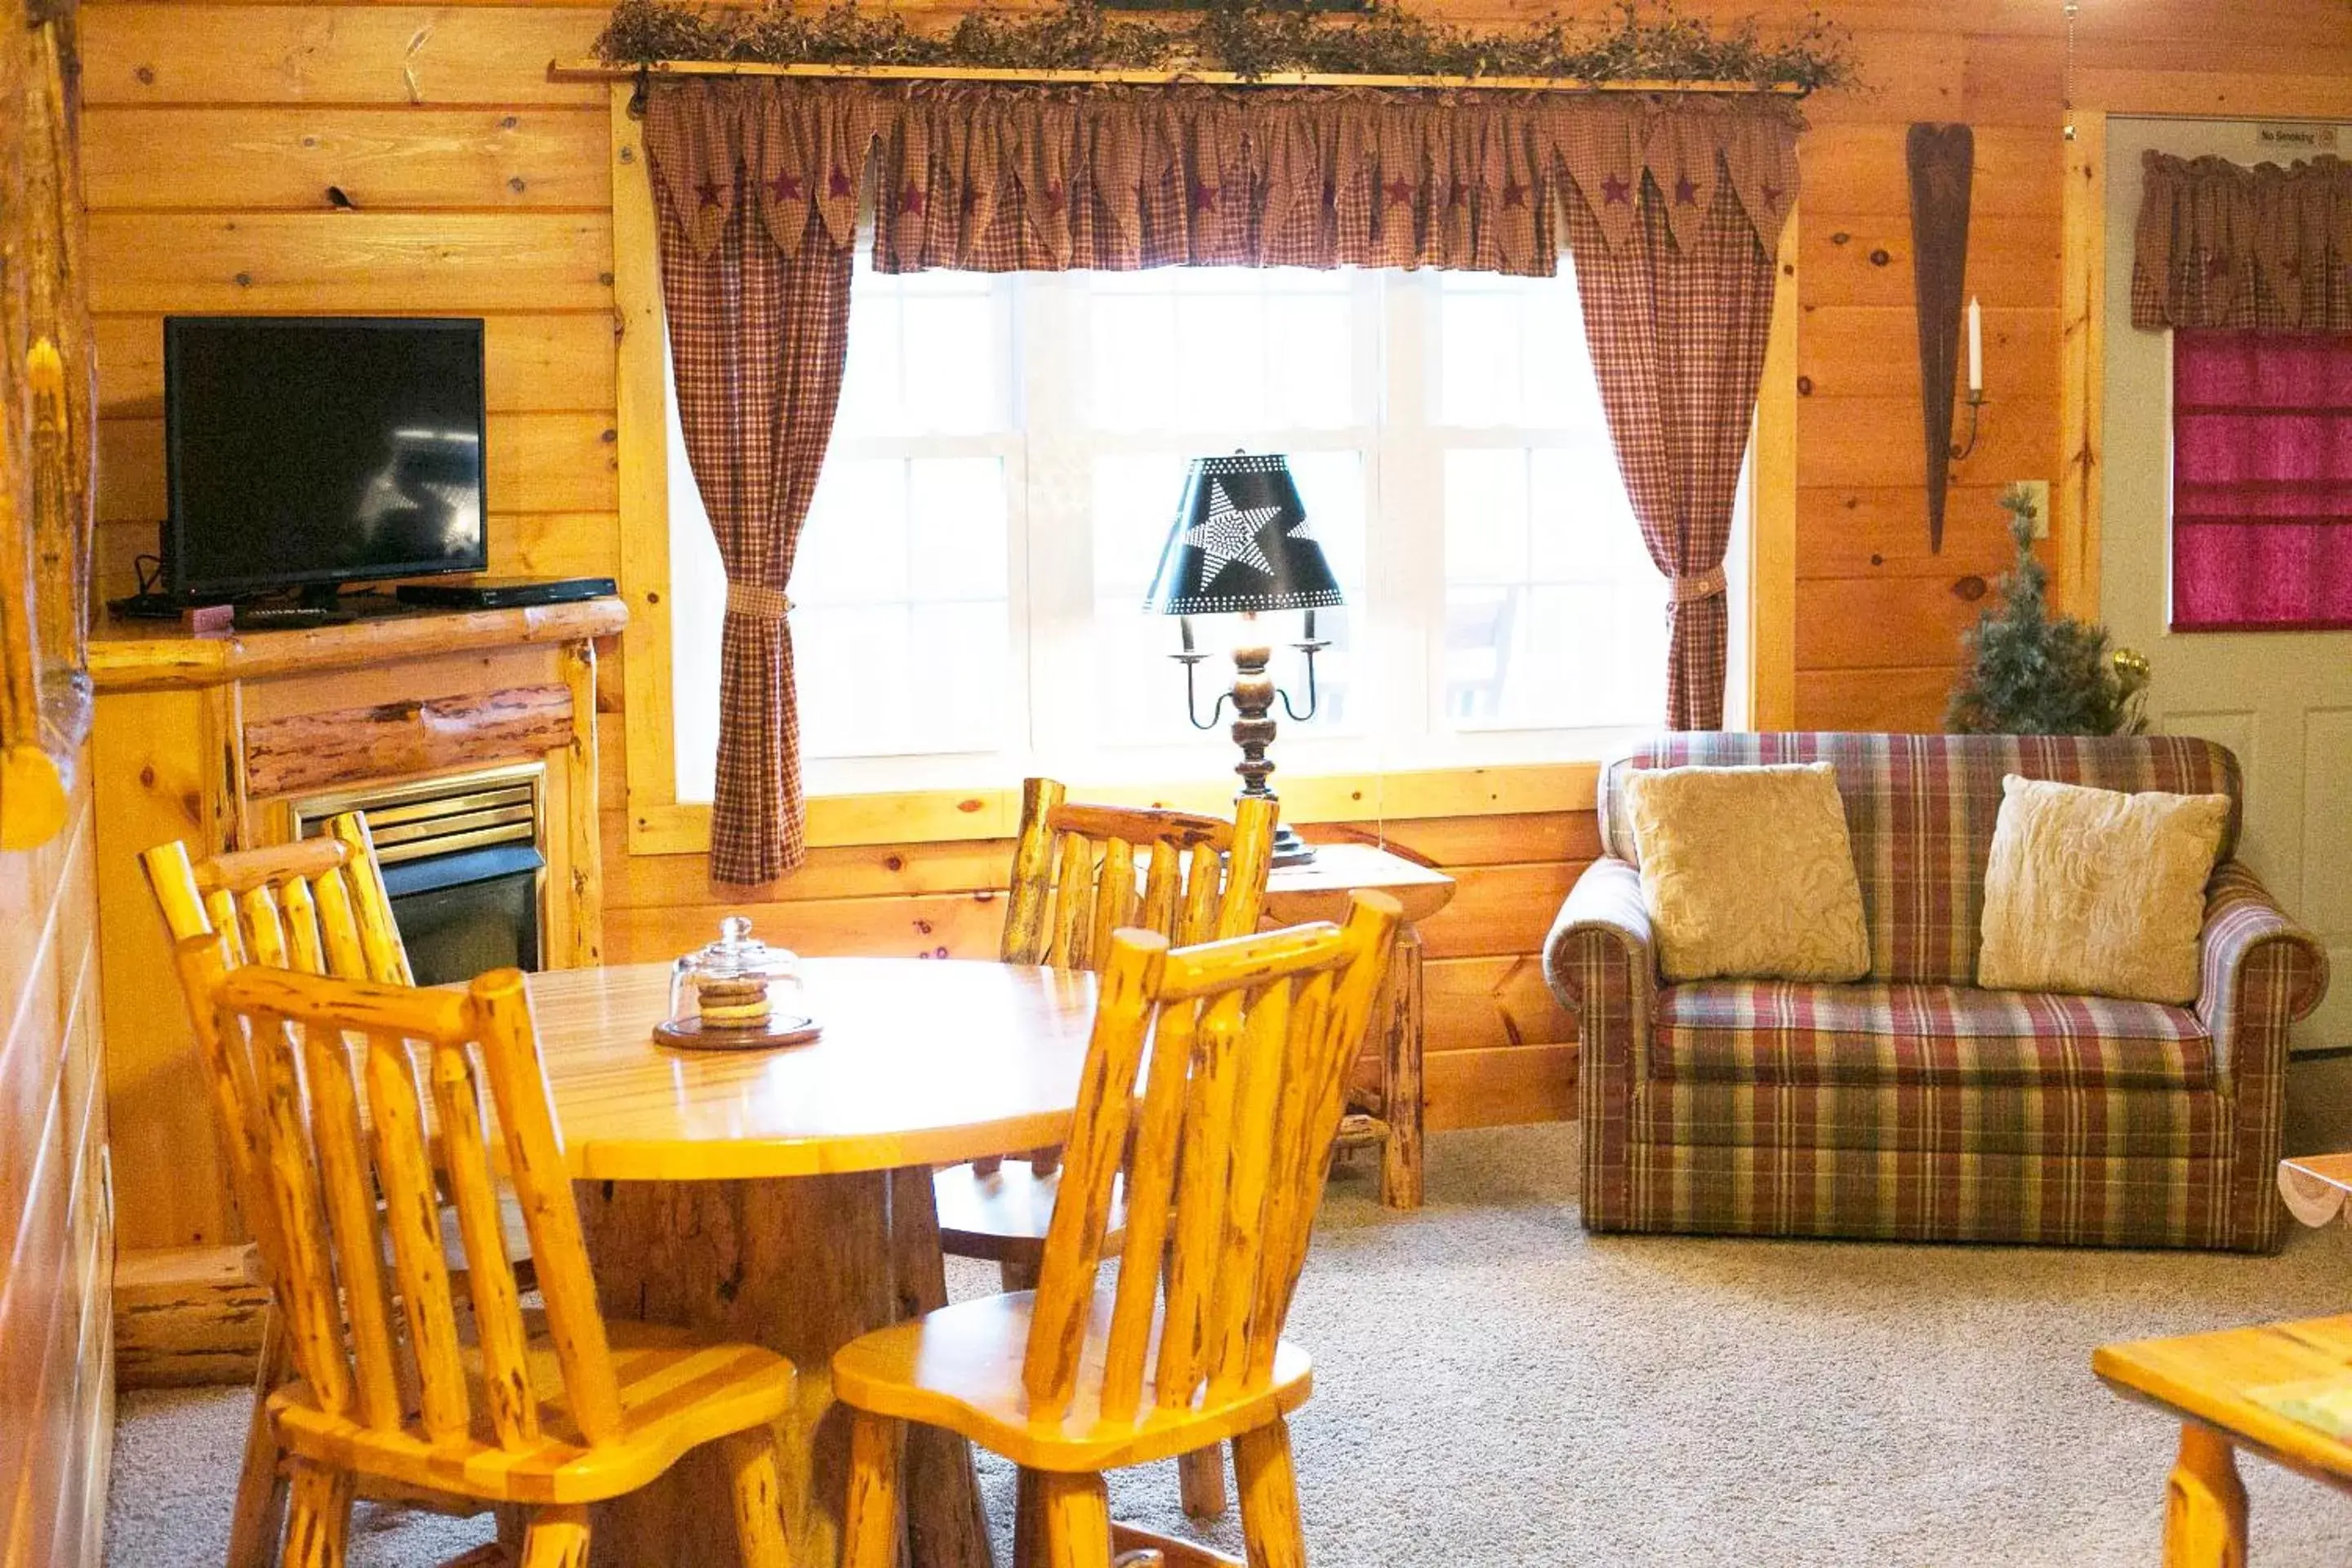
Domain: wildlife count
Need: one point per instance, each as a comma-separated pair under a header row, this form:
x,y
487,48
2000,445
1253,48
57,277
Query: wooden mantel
x,y
145,656
211,740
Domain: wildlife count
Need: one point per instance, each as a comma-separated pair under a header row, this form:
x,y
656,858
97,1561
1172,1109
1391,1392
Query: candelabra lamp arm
x,y
1310,649
1191,699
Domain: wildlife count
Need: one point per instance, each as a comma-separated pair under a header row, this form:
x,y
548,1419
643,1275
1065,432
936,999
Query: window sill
x,y
938,816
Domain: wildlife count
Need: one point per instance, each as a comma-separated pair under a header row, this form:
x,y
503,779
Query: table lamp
x,y
1242,544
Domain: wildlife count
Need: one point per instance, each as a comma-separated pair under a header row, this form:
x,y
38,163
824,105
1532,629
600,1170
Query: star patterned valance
x,y
999,177
2222,245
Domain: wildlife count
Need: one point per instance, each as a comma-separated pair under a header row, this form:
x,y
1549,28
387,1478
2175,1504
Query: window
x,y
1008,455
2262,481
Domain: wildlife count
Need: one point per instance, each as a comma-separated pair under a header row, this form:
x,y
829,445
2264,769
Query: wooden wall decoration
x,y
1942,159
48,404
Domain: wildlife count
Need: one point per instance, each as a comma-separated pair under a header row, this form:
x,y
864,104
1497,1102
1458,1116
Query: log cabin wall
x,y
385,157
56,1384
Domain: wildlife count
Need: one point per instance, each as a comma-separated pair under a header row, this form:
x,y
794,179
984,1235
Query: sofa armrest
x,y
2260,971
1600,962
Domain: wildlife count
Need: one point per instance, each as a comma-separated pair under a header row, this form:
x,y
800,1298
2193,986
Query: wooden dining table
x,y
783,1197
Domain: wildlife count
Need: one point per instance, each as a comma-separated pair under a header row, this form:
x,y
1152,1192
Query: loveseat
x,y
1913,1104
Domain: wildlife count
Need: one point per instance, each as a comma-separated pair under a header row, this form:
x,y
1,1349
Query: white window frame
x,y
1053,712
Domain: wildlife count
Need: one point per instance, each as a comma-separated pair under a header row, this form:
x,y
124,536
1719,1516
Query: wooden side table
x,y
1389,1111
2236,1390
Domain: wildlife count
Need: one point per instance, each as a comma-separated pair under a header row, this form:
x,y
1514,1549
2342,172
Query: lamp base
x,y
1289,850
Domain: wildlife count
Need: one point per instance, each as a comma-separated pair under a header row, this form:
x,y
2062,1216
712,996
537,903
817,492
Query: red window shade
x,y
2262,481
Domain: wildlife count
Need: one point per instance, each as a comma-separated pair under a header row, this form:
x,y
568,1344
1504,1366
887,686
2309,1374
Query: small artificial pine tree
x,y
2033,673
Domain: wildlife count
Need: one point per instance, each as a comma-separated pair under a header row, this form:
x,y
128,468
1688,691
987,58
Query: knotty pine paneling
x,y
56,1397
214,133
296,158
204,55
1880,530
336,262
1902,700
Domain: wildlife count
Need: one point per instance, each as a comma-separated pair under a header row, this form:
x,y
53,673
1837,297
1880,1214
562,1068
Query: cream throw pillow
x,y
1746,871
2096,892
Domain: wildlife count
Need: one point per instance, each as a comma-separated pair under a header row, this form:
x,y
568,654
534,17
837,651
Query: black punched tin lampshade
x,y
1241,542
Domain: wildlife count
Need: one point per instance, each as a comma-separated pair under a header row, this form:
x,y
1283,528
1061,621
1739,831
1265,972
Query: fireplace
x,y
464,861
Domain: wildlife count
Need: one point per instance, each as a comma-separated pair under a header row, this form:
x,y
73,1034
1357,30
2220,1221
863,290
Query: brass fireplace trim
x,y
443,816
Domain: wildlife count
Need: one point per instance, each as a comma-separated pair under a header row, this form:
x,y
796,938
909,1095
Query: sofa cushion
x,y
1920,809
2097,890
1773,1031
1745,871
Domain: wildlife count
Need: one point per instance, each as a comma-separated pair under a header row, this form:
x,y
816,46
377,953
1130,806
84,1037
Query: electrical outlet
x,y
2040,490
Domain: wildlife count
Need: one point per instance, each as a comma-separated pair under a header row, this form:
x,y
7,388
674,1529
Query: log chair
x,y
538,1425
1223,1161
1073,884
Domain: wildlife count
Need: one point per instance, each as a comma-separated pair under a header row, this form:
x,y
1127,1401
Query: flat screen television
x,y
305,452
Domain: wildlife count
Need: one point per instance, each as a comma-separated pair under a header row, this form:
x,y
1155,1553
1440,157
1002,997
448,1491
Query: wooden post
x,y
1401,1107
2082,364
2204,1504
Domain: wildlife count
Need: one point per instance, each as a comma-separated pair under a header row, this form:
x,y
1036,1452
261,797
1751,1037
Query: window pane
x,y
854,547
1486,516
1220,349
1554,616
902,634
956,526
1478,362
1514,353
929,353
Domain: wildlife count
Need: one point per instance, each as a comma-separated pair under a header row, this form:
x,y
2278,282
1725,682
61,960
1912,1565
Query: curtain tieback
x,y
1701,585
766,603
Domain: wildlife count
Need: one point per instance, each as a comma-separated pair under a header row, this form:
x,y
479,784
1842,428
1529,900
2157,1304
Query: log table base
x,y
802,1266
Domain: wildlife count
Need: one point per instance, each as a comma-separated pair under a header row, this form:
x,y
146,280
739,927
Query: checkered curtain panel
x,y
1674,203
1677,318
757,336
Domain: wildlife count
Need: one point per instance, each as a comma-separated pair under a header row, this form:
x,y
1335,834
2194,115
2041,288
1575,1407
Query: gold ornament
x,y
2131,668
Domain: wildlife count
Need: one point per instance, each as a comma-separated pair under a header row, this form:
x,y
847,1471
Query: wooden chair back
x,y
287,1055
318,906
1074,876
1224,1155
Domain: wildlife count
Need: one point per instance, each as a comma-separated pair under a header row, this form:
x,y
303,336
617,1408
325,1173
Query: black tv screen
x,y
319,450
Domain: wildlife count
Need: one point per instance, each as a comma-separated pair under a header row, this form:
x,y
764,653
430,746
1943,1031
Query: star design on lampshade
x,y
1229,533
1304,529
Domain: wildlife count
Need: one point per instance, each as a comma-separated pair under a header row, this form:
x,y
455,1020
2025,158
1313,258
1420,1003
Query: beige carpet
x,y
1495,1387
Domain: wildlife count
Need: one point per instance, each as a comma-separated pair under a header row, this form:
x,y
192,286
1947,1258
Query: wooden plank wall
x,y
57,1359
356,157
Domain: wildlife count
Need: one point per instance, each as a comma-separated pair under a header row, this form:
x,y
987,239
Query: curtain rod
x,y
598,70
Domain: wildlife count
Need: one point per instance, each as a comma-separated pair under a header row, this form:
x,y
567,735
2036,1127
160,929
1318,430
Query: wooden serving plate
x,y
783,1029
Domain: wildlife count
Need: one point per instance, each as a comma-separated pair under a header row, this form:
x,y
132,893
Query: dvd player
x,y
505,593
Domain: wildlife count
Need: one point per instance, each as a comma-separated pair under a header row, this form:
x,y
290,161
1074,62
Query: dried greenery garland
x,y
1631,43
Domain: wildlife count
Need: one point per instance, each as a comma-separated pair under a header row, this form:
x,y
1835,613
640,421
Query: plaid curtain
x,y
757,336
758,183
1677,317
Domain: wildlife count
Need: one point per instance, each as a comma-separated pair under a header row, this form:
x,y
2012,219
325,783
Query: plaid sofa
x,y
1912,1104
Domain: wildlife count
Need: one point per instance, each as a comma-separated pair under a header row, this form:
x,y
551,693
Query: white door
x,y
2281,700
